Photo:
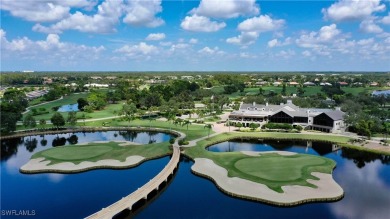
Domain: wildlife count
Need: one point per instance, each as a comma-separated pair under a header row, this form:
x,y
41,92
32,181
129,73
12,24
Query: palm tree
x,y
208,126
186,122
42,123
177,121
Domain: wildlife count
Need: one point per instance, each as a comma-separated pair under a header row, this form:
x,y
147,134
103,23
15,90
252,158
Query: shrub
x,y
278,126
183,142
298,127
171,140
55,108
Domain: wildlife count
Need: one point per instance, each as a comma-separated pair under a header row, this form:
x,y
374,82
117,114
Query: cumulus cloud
x,y
345,10
252,27
210,51
244,39
201,24
193,41
369,26
104,21
143,13
386,19
326,34
276,42
52,48
227,8
43,10
141,50
262,23
109,12
156,36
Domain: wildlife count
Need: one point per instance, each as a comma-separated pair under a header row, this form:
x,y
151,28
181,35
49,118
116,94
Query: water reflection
x,y
58,141
10,147
73,139
367,195
31,144
361,158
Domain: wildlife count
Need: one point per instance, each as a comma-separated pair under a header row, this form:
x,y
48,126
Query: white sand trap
x,y
327,189
258,153
39,165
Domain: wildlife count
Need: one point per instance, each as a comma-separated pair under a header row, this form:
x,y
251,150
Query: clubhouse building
x,y
325,120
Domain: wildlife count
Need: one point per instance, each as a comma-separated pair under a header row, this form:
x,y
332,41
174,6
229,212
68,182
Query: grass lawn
x,y
272,169
100,151
108,111
193,132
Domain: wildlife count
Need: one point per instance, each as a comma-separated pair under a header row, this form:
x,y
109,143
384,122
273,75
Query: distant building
x,y
326,120
374,84
343,83
309,84
276,83
96,85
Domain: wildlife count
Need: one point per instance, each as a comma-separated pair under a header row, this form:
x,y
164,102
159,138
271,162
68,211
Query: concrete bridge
x,y
141,193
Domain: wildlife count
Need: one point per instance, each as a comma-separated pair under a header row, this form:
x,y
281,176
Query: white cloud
x,y
104,21
326,34
193,41
156,36
201,24
43,10
272,43
226,8
52,48
369,26
244,39
386,19
345,10
142,13
210,51
260,24
178,46
306,53
141,50
252,27
109,12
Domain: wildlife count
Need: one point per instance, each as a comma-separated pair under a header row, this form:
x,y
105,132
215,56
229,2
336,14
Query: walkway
x,y
141,193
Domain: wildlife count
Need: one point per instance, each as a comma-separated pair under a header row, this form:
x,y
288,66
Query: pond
x,y
381,92
69,108
365,178
70,195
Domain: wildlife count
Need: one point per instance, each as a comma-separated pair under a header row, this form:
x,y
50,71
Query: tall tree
x,y
187,123
209,127
128,111
82,102
57,120
29,121
72,118
42,123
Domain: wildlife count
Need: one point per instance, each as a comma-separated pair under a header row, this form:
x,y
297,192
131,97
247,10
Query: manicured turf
x,y
76,153
100,151
276,167
272,170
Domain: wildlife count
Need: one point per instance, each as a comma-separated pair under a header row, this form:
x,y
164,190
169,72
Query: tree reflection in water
x,y
128,135
73,139
9,147
31,144
361,158
58,141
151,139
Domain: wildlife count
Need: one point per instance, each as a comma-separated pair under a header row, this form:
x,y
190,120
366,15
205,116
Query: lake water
x,y
381,92
69,108
364,177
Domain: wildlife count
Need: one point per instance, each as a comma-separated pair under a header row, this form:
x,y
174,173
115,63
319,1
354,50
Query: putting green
x,y
76,152
278,168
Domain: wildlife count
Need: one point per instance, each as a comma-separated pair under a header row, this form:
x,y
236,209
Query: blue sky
x,y
205,35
